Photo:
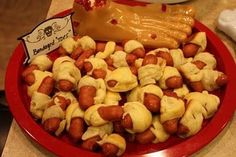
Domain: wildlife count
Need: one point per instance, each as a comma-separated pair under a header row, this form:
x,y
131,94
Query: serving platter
x,y
19,103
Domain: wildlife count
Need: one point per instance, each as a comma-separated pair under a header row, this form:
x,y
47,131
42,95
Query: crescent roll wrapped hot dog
x,y
121,80
205,59
90,91
193,75
182,91
213,79
66,74
94,134
136,118
39,76
41,62
53,119
155,134
70,46
112,98
55,122
40,97
171,78
151,70
173,57
172,109
149,95
96,67
199,106
113,145
74,121
101,114
88,46
196,43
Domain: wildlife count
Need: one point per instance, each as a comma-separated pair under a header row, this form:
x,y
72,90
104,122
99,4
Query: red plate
x,y
173,147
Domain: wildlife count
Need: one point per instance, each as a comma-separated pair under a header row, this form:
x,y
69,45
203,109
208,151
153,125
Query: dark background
x,y
17,17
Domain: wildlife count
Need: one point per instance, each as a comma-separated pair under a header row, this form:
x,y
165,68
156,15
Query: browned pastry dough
x,y
150,25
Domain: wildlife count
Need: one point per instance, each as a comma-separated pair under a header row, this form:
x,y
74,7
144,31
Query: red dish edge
x,y
58,147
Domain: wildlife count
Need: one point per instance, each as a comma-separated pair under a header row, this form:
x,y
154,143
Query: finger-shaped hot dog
x,y
76,128
86,96
111,113
91,143
145,137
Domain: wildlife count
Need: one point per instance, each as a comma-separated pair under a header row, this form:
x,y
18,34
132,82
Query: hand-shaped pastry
x,y
136,118
90,91
121,80
113,145
172,109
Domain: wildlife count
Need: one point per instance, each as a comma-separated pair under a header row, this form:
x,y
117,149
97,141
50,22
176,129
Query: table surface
x,y
224,145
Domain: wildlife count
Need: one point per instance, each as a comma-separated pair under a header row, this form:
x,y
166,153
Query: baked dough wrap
x,y
167,73
72,111
119,59
112,98
182,91
109,49
138,62
125,80
99,84
42,61
87,43
116,140
209,79
97,63
100,131
171,108
206,58
39,102
191,72
69,44
137,94
152,89
39,76
192,118
132,45
151,73
158,130
66,95
140,115
199,39
208,101
67,70
55,111
92,117
136,22
59,61
178,57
